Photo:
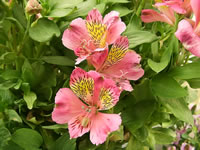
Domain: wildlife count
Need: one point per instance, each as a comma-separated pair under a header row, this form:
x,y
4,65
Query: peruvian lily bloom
x,y
96,94
179,6
93,35
189,31
120,64
166,14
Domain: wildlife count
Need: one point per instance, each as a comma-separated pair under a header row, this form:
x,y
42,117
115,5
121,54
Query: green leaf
x,y
163,135
27,138
6,96
123,11
87,145
59,60
118,1
5,85
117,135
4,136
160,117
18,13
25,87
13,115
192,95
44,30
165,86
45,92
135,116
141,134
82,9
188,71
138,37
59,12
179,108
143,91
194,83
101,7
8,58
44,75
165,59
12,146
30,98
10,74
56,126
134,144
64,143
27,72
60,4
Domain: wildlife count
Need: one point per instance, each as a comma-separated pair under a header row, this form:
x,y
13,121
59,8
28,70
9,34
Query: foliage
x,y
35,65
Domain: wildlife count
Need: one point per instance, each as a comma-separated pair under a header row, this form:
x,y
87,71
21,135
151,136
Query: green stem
x,y
140,7
4,47
187,57
25,36
107,143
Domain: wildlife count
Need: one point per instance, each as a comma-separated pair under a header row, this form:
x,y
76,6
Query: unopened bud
x,y
33,7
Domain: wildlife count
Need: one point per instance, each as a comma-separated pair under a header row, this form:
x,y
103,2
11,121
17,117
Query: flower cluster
x,y
188,31
94,91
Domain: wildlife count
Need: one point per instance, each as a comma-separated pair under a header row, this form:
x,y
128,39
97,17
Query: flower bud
x,y
33,7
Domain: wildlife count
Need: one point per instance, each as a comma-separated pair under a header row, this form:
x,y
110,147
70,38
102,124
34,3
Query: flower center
x,y
97,32
89,111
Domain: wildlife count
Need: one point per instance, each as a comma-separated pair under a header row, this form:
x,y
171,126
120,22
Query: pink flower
x,y
93,35
179,6
166,14
178,135
188,31
120,64
97,93
186,146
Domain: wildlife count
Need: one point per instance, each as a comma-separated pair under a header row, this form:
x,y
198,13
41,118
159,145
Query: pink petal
x,y
125,85
98,58
176,5
111,18
106,93
188,38
102,125
115,30
75,34
116,53
81,59
177,8
128,68
168,12
149,15
94,16
82,84
67,106
196,9
121,64
79,125
133,70
197,29
96,29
